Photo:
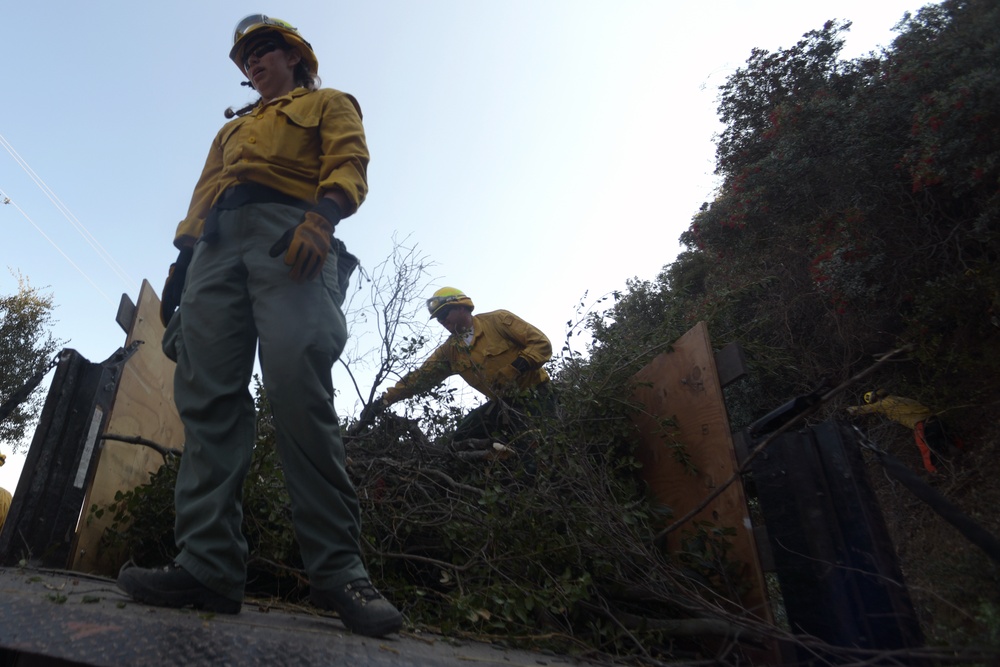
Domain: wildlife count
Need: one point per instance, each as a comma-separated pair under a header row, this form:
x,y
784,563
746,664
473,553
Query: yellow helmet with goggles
x,y
258,25
448,296
874,396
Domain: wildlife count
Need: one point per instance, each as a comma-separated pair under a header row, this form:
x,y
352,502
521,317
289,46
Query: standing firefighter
x,y
258,264
497,353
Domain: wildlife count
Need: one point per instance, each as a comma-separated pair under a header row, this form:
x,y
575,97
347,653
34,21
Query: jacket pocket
x,y
495,349
346,264
337,270
229,141
296,140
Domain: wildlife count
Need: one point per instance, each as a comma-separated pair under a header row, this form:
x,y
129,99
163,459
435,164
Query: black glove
x,y
307,244
174,285
521,364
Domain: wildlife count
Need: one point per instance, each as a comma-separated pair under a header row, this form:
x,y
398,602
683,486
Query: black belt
x,y
241,195
255,193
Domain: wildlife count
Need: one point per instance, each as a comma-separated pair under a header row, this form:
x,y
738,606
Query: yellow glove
x,y
307,244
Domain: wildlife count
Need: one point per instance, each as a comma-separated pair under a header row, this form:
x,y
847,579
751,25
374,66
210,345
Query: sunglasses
x,y
259,51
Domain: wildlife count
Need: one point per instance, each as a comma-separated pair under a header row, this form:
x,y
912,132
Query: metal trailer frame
x,y
42,523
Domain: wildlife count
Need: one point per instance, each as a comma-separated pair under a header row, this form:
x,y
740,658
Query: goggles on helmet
x,y
436,302
255,21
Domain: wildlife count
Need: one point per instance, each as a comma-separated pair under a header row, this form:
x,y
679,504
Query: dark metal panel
x,y
731,364
126,313
838,572
796,506
885,612
44,485
47,504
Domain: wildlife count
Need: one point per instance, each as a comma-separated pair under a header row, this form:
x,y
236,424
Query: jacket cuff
x,y
521,364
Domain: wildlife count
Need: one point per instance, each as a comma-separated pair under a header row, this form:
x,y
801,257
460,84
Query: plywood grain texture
x,y
682,385
144,407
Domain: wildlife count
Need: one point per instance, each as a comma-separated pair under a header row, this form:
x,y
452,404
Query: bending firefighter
x,y
259,267
929,430
497,353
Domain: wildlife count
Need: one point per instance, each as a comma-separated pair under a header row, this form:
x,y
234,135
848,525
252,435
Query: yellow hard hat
x,y
257,25
448,296
873,396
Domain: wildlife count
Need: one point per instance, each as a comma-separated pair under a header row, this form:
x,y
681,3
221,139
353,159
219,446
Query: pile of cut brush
x,y
544,541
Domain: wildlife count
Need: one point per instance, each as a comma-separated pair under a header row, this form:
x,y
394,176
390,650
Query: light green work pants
x,y
235,296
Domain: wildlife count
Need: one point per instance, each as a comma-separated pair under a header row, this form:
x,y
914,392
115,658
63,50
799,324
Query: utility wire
x,y
7,201
73,220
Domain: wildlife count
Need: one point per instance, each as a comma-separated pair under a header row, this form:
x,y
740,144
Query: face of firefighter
x,y
271,70
456,319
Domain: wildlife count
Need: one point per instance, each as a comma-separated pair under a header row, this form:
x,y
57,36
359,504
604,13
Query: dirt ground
x,y
954,585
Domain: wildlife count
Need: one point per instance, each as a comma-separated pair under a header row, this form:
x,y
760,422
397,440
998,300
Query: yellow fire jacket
x,y
500,337
303,144
905,411
5,501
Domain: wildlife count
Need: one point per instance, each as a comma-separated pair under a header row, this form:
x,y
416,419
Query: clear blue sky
x,y
535,150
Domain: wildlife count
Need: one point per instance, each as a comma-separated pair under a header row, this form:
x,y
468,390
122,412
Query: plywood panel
x,y
683,385
144,407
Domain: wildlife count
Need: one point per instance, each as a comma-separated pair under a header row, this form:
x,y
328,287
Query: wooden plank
x,y
143,406
683,385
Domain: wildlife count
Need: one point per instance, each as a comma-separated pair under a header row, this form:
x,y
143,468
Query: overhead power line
x,y
70,217
10,202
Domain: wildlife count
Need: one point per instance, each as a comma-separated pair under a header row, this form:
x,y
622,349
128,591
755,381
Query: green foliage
x,y
26,347
859,210
705,551
948,353
142,520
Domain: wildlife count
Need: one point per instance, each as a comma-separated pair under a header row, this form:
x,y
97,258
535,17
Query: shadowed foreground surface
x,y
57,618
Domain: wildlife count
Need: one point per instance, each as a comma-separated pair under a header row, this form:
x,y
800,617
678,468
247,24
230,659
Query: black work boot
x,y
172,586
361,607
